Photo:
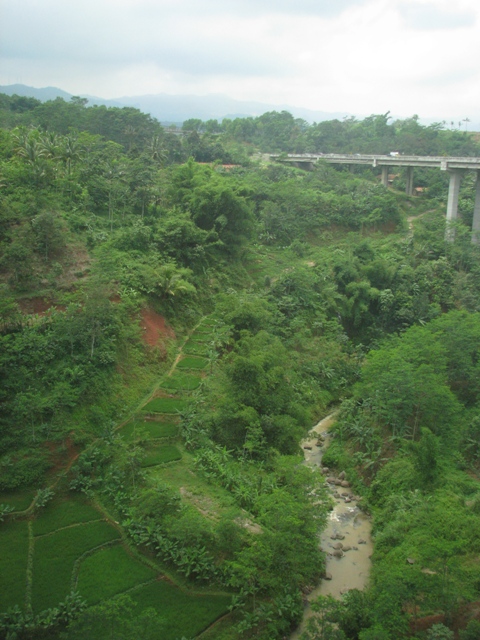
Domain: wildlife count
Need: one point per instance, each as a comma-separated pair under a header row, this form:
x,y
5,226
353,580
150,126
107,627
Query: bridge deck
x,y
440,162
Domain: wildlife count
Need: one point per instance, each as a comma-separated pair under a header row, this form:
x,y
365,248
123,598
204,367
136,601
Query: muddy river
x,y
346,540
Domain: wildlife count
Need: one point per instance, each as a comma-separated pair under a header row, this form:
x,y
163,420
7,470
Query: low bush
x,y
200,338
22,469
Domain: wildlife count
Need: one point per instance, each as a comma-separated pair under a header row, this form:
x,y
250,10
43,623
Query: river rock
x,y
347,547
325,470
331,480
337,536
362,541
338,483
342,475
338,545
327,576
338,553
347,499
345,483
306,446
411,560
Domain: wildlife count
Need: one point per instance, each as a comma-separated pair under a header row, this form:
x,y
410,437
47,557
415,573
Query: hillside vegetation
x,y
169,333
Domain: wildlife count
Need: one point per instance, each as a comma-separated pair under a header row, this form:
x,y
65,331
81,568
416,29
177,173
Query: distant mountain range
x,y
177,108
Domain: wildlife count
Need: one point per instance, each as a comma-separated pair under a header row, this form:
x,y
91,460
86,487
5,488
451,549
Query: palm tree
x,y
70,152
156,150
50,143
32,151
171,281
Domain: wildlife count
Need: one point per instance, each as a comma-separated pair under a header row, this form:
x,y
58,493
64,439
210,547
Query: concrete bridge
x,y
455,166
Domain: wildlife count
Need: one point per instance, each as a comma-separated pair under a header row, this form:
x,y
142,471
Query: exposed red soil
x,y
155,329
40,306
460,619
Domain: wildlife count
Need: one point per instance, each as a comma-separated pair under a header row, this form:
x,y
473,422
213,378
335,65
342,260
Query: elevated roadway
x,y
456,166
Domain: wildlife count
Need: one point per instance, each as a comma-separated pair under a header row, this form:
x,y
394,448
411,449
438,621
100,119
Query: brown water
x,y
347,525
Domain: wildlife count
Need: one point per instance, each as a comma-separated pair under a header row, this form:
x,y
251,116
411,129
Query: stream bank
x,y
346,539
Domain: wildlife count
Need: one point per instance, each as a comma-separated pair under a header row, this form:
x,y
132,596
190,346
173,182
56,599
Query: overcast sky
x,y
358,56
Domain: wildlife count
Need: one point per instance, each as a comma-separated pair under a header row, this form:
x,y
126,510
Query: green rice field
x,y
182,381
196,349
191,362
161,454
110,571
55,556
153,429
19,500
200,338
13,563
186,615
165,405
62,512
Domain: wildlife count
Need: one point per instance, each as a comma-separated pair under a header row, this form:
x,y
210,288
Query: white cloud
x,y
361,56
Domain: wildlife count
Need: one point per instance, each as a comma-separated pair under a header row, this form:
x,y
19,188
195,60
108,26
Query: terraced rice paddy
x,y
71,544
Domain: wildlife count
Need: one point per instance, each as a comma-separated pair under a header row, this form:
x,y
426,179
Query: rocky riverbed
x,y
346,540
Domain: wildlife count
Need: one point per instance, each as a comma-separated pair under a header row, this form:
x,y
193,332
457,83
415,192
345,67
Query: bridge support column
x,y
476,213
385,176
452,204
409,181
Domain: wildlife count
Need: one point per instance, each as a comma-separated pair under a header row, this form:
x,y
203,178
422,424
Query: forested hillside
x,y
176,313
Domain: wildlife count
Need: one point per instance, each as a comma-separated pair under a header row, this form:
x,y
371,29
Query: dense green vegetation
x,y
157,483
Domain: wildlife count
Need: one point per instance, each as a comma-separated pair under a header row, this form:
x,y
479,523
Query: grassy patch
x,y
196,349
211,499
161,454
180,380
202,333
13,563
108,572
62,512
152,428
165,405
186,615
55,556
190,362
211,321
19,500
199,338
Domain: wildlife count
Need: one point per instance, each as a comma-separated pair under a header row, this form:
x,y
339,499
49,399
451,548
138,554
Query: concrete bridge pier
x,y
476,213
452,203
409,181
385,176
